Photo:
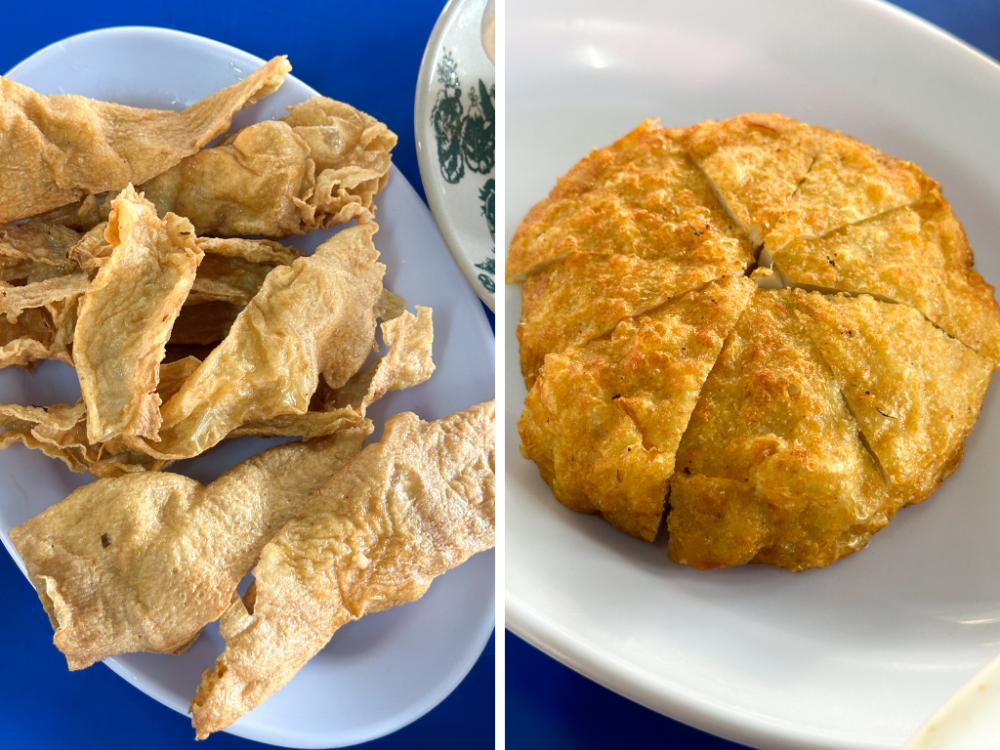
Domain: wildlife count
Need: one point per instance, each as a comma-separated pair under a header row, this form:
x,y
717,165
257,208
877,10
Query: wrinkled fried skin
x,y
60,149
120,338
320,166
143,562
313,317
408,362
404,511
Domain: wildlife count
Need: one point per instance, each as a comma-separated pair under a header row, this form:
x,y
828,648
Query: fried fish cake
x,y
640,196
603,421
772,433
916,255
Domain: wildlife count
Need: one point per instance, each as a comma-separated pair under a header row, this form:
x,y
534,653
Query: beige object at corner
x,y
143,562
401,513
58,149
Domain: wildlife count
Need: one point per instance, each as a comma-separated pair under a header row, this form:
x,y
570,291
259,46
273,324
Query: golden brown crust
x,y
640,196
603,421
805,439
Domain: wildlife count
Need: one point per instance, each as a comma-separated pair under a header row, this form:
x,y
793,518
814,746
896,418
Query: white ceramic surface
x,y
855,656
381,672
453,120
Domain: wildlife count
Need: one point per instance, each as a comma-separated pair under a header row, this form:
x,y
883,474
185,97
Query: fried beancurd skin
x,y
404,511
143,562
126,316
314,316
56,150
320,166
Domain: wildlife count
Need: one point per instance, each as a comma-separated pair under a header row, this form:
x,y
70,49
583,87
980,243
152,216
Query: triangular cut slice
x,y
572,301
603,421
916,255
771,468
849,182
640,196
755,162
915,391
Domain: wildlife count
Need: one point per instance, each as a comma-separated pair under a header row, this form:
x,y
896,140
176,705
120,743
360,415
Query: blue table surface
x,y
364,53
550,706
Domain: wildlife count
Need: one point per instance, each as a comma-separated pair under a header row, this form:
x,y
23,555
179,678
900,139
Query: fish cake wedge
x,y
603,421
640,196
915,391
916,255
772,429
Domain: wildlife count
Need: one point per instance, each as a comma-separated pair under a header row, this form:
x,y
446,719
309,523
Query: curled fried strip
x,y
400,514
144,562
59,149
321,165
121,336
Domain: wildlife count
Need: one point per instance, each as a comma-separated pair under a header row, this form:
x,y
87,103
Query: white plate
x,y
853,656
386,670
453,120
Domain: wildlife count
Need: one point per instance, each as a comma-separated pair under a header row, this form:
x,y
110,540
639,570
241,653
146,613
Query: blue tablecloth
x,y
42,705
550,706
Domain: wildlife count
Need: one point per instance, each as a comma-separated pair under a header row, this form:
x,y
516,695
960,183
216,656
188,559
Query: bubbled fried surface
x,y
406,510
805,439
55,150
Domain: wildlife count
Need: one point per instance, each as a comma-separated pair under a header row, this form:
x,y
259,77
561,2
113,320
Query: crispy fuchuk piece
x,y
914,391
313,317
641,196
556,316
771,468
121,336
917,255
60,431
404,511
407,363
603,421
56,150
144,562
321,165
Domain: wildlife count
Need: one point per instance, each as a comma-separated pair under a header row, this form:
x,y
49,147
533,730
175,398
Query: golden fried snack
x,y
914,391
783,179
321,165
641,196
35,251
404,511
204,322
143,562
407,363
917,255
59,149
60,431
121,336
603,421
313,317
771,468
556,316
